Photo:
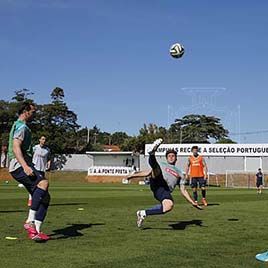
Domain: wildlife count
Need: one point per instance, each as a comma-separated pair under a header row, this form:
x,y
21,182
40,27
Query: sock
x,y
143,213
41,212
38,225
37,197
31,216
203,193
195,196
158,209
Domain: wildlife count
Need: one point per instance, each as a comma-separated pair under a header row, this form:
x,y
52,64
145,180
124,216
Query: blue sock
x,y
41,212
195,196
157,209
37,197
204,193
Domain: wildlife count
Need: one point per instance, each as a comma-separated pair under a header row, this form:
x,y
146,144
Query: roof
x,y
110,153
111,148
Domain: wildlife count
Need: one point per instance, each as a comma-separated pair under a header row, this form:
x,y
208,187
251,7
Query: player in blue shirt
x,y
259,181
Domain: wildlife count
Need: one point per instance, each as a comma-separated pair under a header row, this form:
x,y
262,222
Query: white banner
x,y
214,149
109,171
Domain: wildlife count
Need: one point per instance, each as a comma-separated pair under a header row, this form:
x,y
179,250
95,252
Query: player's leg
x,y
38,209
30,183
30,196
258,185
261,187
29,200
156,170
202,183
194,185
40,203
163,195
45,201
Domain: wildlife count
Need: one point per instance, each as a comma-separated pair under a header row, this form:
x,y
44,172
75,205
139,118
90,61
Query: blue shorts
x,y
198,182
259,183
29,182
160,189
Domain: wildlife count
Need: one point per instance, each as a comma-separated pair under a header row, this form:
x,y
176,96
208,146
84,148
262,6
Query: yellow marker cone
x,y
11,238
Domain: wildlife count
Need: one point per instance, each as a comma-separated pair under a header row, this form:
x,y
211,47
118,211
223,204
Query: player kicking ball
x,y
163,180
23,171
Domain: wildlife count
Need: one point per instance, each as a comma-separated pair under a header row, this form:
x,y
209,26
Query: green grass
x,y
228,233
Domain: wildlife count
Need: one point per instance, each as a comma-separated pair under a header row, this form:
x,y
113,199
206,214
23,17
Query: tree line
x,y
64,135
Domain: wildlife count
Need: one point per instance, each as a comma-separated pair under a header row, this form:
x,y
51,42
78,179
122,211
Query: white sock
x,y
143,213
38,225
31,215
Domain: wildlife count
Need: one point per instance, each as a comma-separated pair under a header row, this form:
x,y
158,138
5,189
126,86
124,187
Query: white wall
x,y
115,160
217,165
77,162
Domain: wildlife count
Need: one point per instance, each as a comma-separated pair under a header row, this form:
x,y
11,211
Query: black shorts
x,y
198,182
259,183
160,189
29,182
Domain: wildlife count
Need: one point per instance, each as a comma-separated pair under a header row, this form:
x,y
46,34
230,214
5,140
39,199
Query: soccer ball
x,y
176,50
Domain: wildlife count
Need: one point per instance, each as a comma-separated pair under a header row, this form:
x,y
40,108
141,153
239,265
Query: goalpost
x,y
243,179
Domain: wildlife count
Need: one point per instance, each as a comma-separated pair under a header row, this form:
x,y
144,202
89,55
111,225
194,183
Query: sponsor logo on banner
x,y
109,171
213,149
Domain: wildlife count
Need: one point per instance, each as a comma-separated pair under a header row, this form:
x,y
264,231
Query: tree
x,y
118,138
58,123
57,95
22,95
226,141
195,128
147,134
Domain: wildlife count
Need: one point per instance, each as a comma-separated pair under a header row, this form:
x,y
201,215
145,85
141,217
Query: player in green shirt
x,y
22,170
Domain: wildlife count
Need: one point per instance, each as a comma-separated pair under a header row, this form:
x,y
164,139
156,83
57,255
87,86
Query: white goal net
x,y
243,179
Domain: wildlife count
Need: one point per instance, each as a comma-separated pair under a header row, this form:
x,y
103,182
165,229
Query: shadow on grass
x,y
233,219
72,231
213,204
12,211
181,225
67,204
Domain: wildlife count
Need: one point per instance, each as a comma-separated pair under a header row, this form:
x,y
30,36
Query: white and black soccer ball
x,y
176,50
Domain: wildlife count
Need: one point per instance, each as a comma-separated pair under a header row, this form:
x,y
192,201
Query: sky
x,y
112,60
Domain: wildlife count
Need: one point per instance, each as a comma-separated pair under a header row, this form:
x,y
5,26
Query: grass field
x,y
228,233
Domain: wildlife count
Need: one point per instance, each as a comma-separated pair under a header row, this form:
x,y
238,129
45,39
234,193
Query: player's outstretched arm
x,y
145,173
186,195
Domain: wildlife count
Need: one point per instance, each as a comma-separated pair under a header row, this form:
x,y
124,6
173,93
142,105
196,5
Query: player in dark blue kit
x,y
259,181
163,180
